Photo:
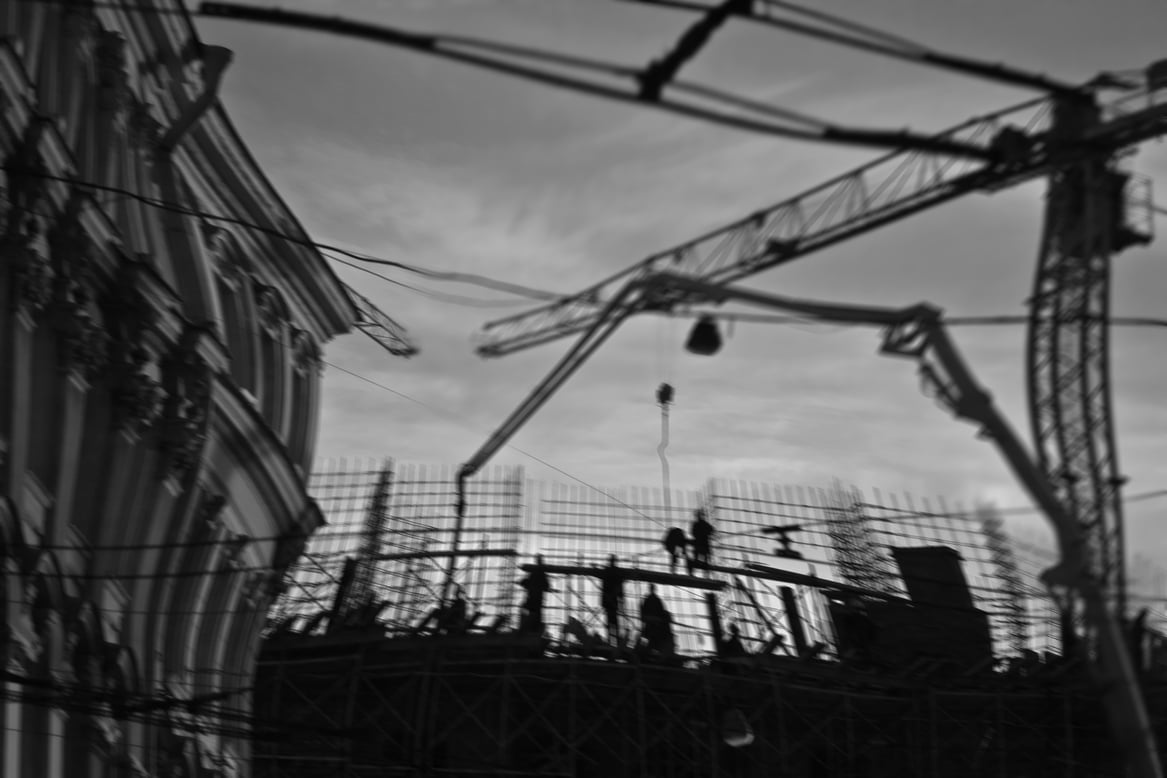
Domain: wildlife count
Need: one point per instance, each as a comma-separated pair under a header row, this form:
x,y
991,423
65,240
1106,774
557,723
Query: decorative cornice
x,y
187,380
134,371
305,352
112,79
84,339
272,312
210,513
25,181
260,587
145,131
137,394
232,548
23,250
224,255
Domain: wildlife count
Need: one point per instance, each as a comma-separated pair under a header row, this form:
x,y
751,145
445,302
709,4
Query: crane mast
x,y
1067,355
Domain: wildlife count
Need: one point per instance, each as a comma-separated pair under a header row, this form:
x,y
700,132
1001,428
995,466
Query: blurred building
x,y
159,378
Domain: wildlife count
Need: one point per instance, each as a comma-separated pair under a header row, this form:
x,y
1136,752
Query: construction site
x,y
832,633
462,621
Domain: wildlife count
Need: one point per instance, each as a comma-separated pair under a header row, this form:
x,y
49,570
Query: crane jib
x,y
879,193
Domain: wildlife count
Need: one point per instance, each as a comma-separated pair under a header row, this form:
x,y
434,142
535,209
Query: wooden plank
x,y
801,579
632,574
470,552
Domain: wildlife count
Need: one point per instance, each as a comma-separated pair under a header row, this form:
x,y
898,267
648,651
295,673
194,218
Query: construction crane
x,y
916,332
377,324
1074,138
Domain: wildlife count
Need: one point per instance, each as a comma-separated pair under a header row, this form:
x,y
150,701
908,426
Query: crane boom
x,y
886,190
377,324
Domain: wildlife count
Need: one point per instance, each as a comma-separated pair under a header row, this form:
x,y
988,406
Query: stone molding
x,y
305,353
187,381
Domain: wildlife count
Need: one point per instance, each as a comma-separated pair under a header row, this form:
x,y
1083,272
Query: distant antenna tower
x,y
1002,555
856,553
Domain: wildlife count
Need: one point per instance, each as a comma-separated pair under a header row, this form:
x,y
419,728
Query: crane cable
x,y
664,398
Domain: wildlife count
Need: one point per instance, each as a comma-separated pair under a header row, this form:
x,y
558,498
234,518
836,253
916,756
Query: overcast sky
x,y
445,167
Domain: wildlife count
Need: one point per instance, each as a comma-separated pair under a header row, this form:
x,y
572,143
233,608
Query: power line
x,y
470,302
509,59
165,205
528,454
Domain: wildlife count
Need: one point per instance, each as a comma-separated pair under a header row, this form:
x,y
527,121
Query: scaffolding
x,y
393,693
397,525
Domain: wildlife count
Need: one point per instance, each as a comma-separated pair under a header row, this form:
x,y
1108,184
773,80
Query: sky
x,y
447,167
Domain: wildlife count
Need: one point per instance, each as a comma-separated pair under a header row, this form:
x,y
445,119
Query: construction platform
x,y
877,637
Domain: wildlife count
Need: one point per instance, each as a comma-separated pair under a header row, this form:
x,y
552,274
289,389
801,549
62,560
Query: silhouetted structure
x,y
901,688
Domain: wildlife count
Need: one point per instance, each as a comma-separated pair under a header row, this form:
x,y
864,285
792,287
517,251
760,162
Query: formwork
x,y
353,657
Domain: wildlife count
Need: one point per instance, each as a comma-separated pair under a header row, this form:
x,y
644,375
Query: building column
x,y
72,425
17,421
13,721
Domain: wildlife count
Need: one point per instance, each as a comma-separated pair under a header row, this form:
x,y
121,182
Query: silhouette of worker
x,y
612,596
1137,636
536,585
454,618
675,543
733,646
656,622
702,532
861,630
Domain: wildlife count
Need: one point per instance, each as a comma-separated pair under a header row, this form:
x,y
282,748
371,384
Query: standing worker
x,y
656,623
536,585
675,543
702,532
612,597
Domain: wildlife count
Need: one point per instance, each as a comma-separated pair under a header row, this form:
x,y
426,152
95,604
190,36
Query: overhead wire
x,y
839,30
471,302
165,205
525,453
489,55
983,320
477,52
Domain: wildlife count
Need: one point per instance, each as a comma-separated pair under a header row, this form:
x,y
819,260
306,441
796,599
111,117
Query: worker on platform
x,y
675,543
861,630
656,622
454,618
733,646
536,585
612,596
702,532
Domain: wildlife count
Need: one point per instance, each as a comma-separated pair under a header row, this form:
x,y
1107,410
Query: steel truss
x,y
1086,223
460,708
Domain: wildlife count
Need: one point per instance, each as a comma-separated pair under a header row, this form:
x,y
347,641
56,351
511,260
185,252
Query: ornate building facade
x,y
159,379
